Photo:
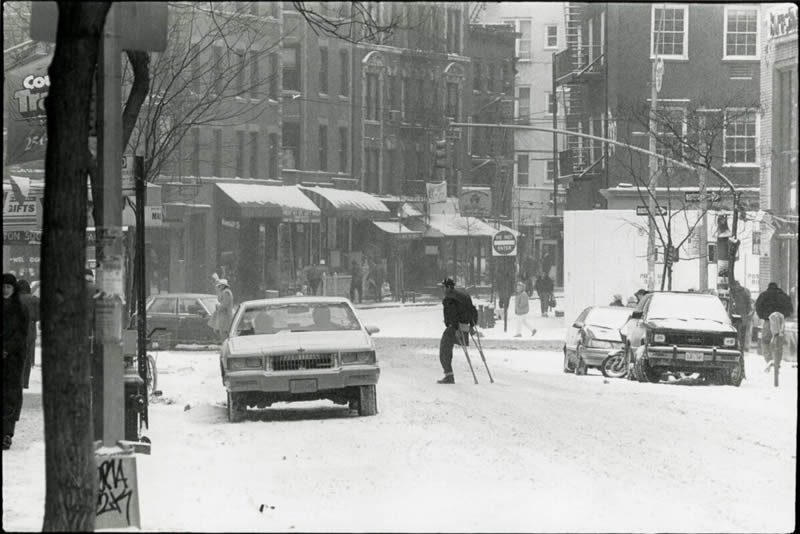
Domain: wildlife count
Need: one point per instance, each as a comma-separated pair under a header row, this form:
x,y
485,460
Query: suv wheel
x,y
734,376
236,409
367,400
645,373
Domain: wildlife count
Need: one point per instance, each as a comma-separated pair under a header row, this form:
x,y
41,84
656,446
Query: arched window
x,y
373,80
453,84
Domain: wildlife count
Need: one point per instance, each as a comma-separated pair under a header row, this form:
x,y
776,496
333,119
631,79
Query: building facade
x,y
779,164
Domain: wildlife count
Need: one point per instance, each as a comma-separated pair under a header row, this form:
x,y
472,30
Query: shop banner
x,y
27,87
437,193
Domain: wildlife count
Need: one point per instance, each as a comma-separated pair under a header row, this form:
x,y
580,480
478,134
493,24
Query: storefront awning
x,y
285,202
347,202
457,226
397,229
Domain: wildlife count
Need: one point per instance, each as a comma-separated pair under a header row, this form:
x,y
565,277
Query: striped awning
x,y
397,230
347,203
285,202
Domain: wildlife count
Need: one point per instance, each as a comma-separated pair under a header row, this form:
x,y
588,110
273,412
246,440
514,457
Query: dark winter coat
x,y
544,285
458,308
773,300
15,327
741,300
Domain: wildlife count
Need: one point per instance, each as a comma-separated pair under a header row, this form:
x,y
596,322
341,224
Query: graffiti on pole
x,y
117,492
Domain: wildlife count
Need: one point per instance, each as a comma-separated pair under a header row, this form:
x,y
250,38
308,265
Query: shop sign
x,y
504,243
27,88
25,214
475,201
153,216
299,216
22,237
783,23
437,193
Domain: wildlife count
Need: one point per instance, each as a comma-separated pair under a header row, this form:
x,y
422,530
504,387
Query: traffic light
x,y
442,156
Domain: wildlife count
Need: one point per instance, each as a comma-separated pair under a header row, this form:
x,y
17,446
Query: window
x,y
291,145
549,171
551,36
524,103
290,60
163,305
757,243
524,41
406,98
452,100
344,73
477,76
551,103
343,142
390,159
454,31
669,36
255,81
254,149
218,66
741,32
371,97
371,170
323,70
323,147
740,137
273,156
239,154
273,76
195,151
217,152
523,169
492,77
241,72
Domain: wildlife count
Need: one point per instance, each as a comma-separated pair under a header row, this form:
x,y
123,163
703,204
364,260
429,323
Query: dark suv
x,y
682,332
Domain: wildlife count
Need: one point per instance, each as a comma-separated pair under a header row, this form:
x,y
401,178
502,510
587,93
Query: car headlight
x,y
358,357
729,341
659,338
244,363
597,344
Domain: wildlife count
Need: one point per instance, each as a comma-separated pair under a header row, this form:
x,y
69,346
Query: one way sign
x,y
644,210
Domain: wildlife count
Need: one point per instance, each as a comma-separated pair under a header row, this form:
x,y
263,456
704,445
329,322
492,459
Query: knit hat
x,y
10,279
222,282
448,282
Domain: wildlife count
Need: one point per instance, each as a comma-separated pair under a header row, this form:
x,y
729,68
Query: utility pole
x,y
555,138
655,85
702,228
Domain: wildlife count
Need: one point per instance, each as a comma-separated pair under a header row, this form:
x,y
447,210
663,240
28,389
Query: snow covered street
x,y
538,450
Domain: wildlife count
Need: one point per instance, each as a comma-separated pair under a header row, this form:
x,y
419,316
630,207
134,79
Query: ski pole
x,y
463,338
477,338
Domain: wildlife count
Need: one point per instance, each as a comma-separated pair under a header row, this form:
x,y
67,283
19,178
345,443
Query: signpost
x,y
696,197
645,210
504,243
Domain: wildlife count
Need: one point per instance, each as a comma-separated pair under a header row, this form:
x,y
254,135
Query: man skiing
x,y
458,308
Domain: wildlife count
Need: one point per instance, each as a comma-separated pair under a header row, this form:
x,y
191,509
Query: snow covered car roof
x,y
295,300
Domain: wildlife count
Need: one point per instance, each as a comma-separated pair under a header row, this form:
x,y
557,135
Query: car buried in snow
x,y
674,332
592,337
299,349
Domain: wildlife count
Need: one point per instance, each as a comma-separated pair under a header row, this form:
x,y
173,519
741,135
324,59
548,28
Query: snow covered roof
x,y
457,226
271,201
347,202
397,229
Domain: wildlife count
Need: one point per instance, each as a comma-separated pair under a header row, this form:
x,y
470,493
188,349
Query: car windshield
x,y
305,317
608,317
687,307
210,304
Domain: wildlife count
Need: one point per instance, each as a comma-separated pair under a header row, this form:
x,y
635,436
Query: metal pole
x,y
555,138
141,280
653,169
110,253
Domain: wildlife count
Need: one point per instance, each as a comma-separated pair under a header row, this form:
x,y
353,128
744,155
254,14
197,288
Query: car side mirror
x,y
372,329
636,314
576,324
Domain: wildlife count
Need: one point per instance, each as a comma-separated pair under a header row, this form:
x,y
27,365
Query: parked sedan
x,y
671,332
299,349
184,316
592,336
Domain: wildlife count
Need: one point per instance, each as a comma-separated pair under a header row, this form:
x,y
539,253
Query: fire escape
x,y
579,65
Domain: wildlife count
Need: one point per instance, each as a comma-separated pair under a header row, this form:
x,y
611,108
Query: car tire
x,y
236,410
567,368
580,364
647,373
367,400
733,377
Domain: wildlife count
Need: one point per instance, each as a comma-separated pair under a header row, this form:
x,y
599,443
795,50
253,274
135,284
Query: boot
x,y
448,379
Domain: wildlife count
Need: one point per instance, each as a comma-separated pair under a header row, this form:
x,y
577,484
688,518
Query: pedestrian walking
x,y
313,274
544,288
356,286
521,309
458,309
223,314
617,301
15,333
31,304
741,305
773,299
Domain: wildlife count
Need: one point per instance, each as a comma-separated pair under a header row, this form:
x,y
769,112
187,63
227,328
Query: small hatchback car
x,y
682,332
299,349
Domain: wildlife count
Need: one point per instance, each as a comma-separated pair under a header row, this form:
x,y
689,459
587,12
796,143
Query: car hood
x,y
691,325
284,342
603,333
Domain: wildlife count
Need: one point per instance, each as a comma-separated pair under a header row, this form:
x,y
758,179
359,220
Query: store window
x,y
669,31
523,170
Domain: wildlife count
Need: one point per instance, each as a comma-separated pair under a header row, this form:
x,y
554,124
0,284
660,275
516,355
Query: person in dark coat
x,y
31,304
544,288
773,299
313,275
741,304
356,274
15,334
458,309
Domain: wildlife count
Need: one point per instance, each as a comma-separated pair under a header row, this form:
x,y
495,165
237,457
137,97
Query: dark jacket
x,y
741,300
15,326
544,285
773,300
458,308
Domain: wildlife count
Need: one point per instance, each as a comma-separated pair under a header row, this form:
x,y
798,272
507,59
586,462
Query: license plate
x,y
307,385
694,356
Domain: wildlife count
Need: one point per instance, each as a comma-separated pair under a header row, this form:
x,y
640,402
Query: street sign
x,y
644,210
697,196
475,201
504,243
128,183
